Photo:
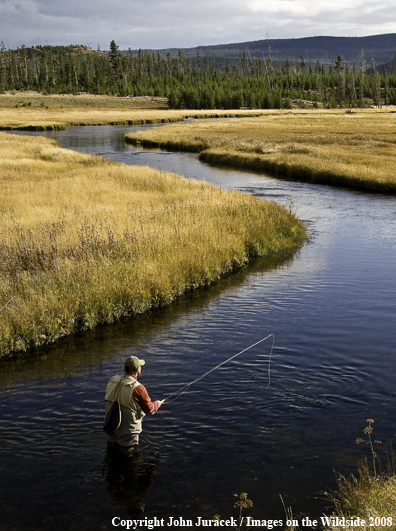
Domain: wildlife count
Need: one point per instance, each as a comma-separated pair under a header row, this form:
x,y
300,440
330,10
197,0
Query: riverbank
x,y
86,241
355,149
36,112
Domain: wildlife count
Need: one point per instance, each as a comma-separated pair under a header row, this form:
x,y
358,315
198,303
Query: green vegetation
x,y
355,149
196,83
85,241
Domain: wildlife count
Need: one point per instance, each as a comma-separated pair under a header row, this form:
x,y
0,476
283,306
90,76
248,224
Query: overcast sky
x,y
186,23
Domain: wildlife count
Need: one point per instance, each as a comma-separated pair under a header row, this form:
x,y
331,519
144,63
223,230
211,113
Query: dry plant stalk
x,y
368,430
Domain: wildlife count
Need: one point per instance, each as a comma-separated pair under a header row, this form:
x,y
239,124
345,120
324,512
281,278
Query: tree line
x,y
195,84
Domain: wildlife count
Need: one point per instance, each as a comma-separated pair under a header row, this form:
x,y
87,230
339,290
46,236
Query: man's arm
x,y
142,398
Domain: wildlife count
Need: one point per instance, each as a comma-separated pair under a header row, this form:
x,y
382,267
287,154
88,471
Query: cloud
x,y
177,23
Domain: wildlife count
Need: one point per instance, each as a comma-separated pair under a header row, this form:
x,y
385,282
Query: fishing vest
x,y
131,413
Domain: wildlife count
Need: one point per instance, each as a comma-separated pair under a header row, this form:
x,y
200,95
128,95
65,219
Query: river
x,y
332,309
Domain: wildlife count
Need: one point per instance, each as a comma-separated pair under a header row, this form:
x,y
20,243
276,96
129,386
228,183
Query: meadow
x,y
37,112
353,148
86,241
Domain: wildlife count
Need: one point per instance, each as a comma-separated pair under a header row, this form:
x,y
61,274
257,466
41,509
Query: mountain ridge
x,y
381,48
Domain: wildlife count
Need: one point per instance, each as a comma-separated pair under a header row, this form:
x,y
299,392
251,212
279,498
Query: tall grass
x,y
369,497
354,149
85,241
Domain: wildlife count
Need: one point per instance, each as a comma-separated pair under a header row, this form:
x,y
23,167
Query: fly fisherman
x,y
134,401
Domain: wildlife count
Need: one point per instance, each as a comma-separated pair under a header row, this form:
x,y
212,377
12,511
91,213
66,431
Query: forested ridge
x,y
325,48
196,83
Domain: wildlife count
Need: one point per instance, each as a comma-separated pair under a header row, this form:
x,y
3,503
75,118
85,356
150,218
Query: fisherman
x,y
134,401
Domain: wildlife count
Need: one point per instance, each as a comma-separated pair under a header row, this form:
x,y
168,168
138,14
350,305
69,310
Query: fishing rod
x,y
185,388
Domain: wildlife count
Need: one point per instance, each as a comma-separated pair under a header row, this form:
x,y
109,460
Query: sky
x,y
158,24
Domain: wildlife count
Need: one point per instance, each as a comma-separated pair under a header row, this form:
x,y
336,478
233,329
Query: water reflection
x,y
129,477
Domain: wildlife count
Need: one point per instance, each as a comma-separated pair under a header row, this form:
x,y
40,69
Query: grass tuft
x,y
372,498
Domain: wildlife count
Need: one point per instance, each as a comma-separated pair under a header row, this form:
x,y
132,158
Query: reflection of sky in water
x,y
332,310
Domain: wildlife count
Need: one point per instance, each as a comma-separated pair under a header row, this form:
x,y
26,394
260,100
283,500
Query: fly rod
x,y
185,388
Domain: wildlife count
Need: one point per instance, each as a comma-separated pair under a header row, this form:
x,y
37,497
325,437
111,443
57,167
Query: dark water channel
x,y
332,308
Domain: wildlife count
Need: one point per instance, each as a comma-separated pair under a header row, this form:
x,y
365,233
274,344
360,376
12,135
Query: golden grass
x,y
85,241
355,149
83,101
60,111
372,499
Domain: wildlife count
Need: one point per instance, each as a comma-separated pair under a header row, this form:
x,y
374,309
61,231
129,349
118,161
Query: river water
x,y
332,309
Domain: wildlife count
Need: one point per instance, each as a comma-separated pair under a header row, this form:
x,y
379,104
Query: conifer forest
x,y
199,83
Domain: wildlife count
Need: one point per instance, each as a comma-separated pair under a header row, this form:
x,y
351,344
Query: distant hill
x,y
382,48
388,68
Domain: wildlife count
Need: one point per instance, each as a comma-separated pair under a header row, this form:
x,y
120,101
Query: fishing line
x,y
1,309
185,388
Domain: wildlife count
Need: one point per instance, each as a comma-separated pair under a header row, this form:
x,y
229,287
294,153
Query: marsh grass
x,y
32,111
85,241
357,150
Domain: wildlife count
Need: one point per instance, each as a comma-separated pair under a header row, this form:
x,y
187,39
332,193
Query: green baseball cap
x,y
133,363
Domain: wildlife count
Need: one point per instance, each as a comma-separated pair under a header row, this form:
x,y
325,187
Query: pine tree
x,y
353,98
340,70
386,89
362,66
375,84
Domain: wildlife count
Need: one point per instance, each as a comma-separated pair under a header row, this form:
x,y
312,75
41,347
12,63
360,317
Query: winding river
x,y
332,308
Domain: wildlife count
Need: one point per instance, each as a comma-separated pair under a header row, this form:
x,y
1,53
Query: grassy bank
x,y
85,241
354,149
32,111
